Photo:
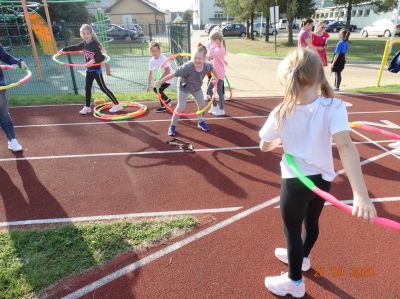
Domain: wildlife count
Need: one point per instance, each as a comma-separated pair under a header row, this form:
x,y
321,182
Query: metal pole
x,y
383,63
34,50
395,27
71,69
261,23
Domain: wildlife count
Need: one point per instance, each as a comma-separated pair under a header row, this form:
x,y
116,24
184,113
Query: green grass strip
x,y
34,259
373,89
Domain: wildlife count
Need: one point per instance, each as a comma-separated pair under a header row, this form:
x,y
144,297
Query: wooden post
x,y
50,26
32,39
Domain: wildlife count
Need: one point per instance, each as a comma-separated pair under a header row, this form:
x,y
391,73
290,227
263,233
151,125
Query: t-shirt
x,y
307,135
303,36
320,41
155,64
341,47
218,57
191,80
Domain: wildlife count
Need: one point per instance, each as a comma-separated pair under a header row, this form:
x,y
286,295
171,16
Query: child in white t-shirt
x,y
155,63
305,124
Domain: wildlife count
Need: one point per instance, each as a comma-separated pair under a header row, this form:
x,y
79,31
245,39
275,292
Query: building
x,y
127,12
361,14
206,12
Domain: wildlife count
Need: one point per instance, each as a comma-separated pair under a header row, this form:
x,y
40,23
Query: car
x,y
207,27
272,30
135,27
234,30
119,33
336,26
381,28
211,27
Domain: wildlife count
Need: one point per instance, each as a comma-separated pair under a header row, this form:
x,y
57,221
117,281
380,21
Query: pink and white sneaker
x,y
85,110
282,285
281,254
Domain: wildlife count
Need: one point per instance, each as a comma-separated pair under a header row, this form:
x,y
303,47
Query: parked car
x,y
135,27
336,26
119,33
381,28
211,27
234,30
271,30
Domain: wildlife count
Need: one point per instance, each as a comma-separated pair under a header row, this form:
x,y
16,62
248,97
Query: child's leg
x,y
314,209
199,97
180,107
5,119
90,76
209,85
338,79
220,91
293,203
163,87
100,81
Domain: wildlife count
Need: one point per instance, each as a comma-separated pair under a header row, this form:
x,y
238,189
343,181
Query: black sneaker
x,y
161,109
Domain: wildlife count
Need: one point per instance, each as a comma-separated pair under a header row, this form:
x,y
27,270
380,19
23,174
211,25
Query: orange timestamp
x,y
338,271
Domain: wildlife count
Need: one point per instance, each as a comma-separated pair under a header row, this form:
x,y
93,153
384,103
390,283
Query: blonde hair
x,y
154,44
200,48
319,24
301,68
216,34
90,29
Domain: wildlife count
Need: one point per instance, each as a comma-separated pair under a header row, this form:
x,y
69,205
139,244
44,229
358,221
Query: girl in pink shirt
x,y
304,38
217,55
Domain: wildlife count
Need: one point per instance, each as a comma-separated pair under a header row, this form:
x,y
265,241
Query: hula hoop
x,y
98,109
55,58
20,82
384,222
158,75
229,86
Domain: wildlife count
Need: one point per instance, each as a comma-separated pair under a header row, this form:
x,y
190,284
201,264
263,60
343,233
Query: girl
x,y
304,38
191,76
339,56
92,51
154,65
5,119
319,41
217,55
305,123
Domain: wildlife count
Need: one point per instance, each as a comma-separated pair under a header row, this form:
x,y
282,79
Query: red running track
x,y
143,174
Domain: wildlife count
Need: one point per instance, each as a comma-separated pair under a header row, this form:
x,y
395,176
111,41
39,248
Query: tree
x,y
71,12
385,5
188,16
349,4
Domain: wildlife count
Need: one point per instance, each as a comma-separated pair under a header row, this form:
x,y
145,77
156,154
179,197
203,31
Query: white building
x,y
361,15
206,12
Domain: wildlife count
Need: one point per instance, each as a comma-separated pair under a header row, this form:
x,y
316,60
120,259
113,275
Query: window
x,y
366,12
317,16
353,13
359,13
342,14
331,14
336,14
218,15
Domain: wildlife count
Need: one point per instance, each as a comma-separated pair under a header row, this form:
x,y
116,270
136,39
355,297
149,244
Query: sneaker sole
x,y
15,151
280,293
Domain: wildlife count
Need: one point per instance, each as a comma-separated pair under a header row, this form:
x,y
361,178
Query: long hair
x,y
89,28
299,69
305,22
200,48
344,34
216,34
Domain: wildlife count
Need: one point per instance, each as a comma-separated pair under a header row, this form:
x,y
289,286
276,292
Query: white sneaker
x,y
212,109
116,108
14,146
282,285
396,151
85,110
281,254
207,97
394,144
226,98
218,111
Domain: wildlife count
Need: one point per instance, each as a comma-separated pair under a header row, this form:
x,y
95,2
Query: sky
x,y
174,5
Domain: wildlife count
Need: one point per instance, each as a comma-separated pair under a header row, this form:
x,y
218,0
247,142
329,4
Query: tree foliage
x,y
187,16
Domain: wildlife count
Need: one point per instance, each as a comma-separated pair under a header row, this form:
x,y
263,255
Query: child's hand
x,y
23,65
226,63
148,89
157,84
364,208
90,63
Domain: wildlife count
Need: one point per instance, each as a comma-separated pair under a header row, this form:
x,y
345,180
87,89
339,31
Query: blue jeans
x,y
5,119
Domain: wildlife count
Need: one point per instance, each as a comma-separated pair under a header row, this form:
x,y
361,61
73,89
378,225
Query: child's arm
x,y
335,57
164,79
266,146
362,205
77,47
149,77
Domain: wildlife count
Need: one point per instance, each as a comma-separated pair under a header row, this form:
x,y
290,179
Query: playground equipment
x,y
35,24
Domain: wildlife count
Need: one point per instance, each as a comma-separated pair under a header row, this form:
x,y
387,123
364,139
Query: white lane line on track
x,y
169,120
171,248
350,201
121,154
116,217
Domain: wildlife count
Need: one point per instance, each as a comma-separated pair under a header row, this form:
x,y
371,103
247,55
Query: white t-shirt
x,y
155,64
307,135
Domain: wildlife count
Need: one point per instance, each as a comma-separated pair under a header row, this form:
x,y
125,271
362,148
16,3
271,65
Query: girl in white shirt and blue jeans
x,y
304,123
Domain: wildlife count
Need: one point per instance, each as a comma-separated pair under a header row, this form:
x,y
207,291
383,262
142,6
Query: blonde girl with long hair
x,y
93,52
305,123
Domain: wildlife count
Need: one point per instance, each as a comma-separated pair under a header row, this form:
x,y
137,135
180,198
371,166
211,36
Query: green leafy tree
x,y
70,13
187,16
385,5
349,5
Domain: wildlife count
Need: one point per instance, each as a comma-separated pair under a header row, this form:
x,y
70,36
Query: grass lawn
x,y
385,88
32,260
64,98
361,49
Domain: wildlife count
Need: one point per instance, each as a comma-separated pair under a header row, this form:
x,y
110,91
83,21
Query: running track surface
x,y
76,166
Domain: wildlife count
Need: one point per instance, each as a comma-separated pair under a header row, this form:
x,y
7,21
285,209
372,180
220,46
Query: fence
x,y
128,64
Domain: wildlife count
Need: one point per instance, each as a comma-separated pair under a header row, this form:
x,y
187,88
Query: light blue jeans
x,y
5,118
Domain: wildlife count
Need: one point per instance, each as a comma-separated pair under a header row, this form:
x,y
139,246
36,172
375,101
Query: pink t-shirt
x,y
218,57
303,36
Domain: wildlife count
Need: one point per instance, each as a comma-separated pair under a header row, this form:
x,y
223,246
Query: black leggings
x,y
163,87
300,205
90,77
338,79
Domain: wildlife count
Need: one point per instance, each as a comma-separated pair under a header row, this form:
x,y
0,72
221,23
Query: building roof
x,y
151,4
